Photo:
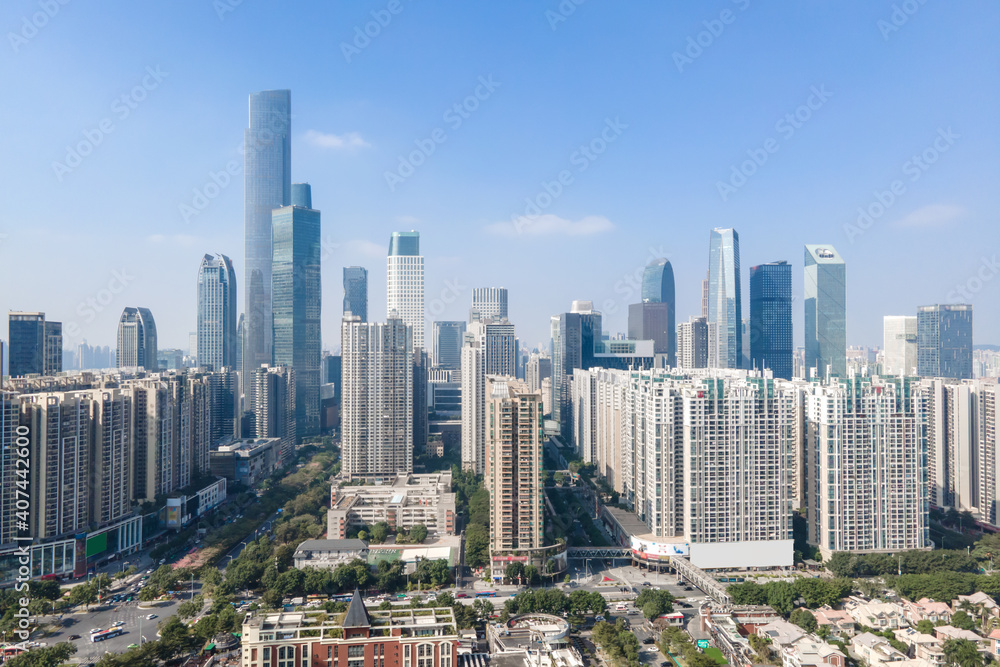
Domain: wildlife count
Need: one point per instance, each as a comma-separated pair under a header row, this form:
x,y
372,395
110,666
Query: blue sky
x,y
873,87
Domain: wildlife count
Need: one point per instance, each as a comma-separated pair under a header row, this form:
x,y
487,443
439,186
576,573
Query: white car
x,y
150,617
118,624
94,630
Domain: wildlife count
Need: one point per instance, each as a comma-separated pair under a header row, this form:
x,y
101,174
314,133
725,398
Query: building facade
x,y
35,345
136,340
217,306
377,399
899,342
448,340
489,302
296,302
944,341
725,309
692,343
409,500
405,283
825,311
267,185
771,318
356,291
657,287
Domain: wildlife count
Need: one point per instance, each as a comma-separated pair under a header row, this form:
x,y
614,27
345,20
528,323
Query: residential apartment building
x,y
409,500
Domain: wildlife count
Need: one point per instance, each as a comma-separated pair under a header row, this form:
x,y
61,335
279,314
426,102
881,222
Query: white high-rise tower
x,y
405,282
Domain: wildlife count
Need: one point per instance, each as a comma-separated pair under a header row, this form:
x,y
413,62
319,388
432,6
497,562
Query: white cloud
x,y
338,142
933,215
551,225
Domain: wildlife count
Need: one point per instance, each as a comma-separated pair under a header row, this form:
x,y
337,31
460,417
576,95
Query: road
x,y
233,553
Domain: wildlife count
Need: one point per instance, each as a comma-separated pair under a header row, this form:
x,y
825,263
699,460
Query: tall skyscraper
x,y
725,309
275,413
473,387
405,282
297,301
513,470
421,425
377,399
356,291
771,318
268,185
35,345
217,313
647,321
10,416
574,338
136,340
899,342
489,302
448,338
825,311
944,341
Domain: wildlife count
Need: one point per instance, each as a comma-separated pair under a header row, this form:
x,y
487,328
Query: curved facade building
x,y
216,313
654,318
725,312
136,340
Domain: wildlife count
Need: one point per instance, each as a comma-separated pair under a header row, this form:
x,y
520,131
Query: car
x,y
646,583
95,630
461,595
648,640
118,624
133,645
598,618
72,637
150,617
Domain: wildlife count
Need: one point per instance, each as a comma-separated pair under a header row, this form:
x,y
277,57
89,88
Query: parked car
x,y
461,595
72,637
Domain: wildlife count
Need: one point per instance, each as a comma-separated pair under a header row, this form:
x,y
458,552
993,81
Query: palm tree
x,y
962,653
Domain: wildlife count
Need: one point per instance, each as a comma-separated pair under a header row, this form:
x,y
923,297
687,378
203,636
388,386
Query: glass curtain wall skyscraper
x,y
136,340
448,338
35,345
297,302
405,283
944,341
825,311
654,318
771,318
356,291
216,313
268,185
725,312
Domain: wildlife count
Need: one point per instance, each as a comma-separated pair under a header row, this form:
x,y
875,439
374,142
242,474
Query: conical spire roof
x,y
357,615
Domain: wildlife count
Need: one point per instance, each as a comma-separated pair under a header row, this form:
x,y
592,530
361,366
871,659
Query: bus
x,y
346,597
486,594
106,634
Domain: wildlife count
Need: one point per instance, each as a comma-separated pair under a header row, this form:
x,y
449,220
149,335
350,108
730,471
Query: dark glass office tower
x,y
771,318
35,346
448,336
725,311
356,291
268,185
217,340
297,301
654,318
573,342
944,341
826,311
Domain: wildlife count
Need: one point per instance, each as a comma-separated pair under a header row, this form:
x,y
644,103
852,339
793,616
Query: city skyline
x,y
612,219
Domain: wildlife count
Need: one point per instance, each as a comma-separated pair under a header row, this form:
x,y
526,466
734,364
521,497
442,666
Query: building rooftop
x,y
332,545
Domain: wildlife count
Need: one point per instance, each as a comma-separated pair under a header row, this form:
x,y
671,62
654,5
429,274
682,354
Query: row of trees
x,y
853,565
618,642
782,595
554,601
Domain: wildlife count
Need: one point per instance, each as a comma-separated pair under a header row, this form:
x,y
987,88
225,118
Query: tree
x,y
654,602
926,627
513,571
780,595
418,533
747,593
531,575
175,638
380,531
804,619
51,656
962,653
84,594
961,619
477,545
363,535
761,646
149,593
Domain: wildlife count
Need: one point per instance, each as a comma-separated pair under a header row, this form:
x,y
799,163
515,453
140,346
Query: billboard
x,y
648,550
97,544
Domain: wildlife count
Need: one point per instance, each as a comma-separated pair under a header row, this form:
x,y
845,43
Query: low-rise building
x,y
839,622
328,554
980,599
878,615
946,632
926,609
246,462
994,644
811,651
922,646
875,651
410,500
392,638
